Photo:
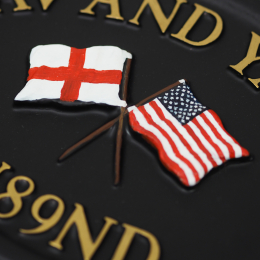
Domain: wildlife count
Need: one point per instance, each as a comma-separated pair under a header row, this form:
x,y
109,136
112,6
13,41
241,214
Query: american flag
x,y
189,137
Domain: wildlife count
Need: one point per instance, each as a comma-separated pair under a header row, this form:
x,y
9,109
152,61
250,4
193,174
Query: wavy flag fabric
x,y
189,137
89,75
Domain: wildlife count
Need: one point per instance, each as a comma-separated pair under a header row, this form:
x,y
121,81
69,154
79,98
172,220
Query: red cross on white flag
x,y
90,75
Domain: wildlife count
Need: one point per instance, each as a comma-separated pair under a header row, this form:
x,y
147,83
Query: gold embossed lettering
x,y
160,17
114,5
16,196
88,246
127,238
4,167
48,223
250,58
22,5
182,34
46,4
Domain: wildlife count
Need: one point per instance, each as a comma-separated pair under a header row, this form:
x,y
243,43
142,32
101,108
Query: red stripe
x,y
71,87
218,135
175,130
208,138
70,90
84,75
173,146
77,58
167,162
216,117
74,75
200,144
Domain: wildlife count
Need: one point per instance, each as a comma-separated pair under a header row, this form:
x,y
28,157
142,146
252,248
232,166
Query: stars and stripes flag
x,y
189,137
89,75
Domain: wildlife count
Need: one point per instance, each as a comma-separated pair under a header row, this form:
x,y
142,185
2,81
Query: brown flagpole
x,y
120,124
105,127
88,138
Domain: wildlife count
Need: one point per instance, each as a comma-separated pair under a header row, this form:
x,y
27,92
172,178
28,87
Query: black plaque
x,y
217,219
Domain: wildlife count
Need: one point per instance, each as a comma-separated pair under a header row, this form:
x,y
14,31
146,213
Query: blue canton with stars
x,y
181,103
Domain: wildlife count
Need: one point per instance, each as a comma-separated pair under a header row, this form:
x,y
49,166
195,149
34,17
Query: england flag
x,y
189,137
89,75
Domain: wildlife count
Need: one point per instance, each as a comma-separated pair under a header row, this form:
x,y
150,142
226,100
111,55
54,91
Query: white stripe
x,y
101,93
105,58
218,142
129,109
205,142
36,89
182,130
236,147
180,146
166,146
52,55
97,57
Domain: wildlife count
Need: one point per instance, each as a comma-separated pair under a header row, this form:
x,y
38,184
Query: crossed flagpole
x,y
189,137
106,126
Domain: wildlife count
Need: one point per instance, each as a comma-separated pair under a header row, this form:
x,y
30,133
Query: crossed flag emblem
x,y
189,137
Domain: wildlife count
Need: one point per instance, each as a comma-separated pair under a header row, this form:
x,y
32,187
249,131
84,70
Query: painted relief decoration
x,y
189,137
157,140
88,75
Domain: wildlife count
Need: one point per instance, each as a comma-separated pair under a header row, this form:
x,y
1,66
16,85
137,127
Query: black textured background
x,y
218,219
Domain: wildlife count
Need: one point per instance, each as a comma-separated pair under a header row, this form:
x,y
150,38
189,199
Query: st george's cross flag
x,y
189,137
89,75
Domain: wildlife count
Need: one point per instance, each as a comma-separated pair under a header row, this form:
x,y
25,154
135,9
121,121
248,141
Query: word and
x,y
163,21
77,217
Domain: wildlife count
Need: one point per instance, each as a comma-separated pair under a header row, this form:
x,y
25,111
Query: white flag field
x,y
89,75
